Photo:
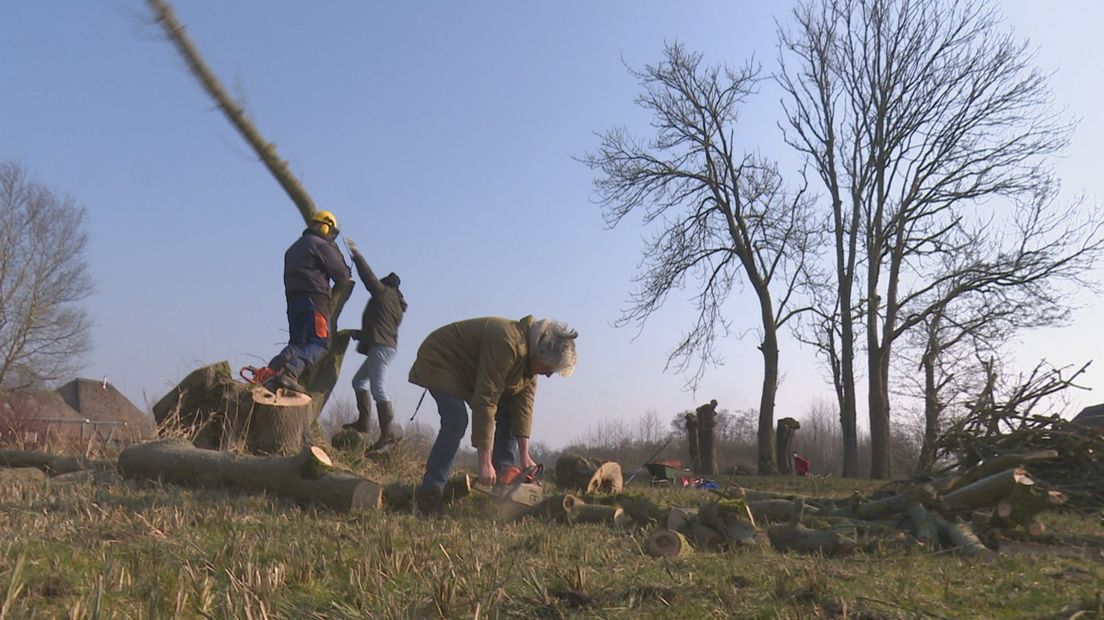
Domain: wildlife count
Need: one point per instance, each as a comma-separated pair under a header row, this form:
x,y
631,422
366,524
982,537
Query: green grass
x,y
120,549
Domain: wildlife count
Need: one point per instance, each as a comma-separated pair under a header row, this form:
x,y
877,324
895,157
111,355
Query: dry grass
x,y
95,546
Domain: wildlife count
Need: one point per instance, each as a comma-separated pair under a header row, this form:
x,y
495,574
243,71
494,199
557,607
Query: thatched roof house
x,y
80,412
105,406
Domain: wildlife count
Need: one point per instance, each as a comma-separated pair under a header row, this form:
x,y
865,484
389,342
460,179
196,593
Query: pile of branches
x,y
992,430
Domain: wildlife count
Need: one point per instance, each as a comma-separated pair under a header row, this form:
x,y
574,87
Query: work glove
x,y
352,246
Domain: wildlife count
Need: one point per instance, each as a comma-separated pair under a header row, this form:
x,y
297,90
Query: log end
x,y
279,398
667,543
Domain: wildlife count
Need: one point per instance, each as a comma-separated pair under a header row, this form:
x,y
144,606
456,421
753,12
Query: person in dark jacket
x,y
310,264
377,338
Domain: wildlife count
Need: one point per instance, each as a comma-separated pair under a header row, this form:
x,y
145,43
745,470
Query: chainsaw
x,y
517,489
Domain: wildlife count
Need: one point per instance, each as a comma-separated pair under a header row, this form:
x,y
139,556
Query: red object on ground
x,y
801,465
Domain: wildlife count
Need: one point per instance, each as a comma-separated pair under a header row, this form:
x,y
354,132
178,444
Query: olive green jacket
x,y
485,361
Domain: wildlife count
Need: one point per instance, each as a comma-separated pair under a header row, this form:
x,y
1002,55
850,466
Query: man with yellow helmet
x,y
310,264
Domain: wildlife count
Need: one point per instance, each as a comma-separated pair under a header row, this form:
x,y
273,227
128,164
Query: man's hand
x,y
523,453
352,246
487,475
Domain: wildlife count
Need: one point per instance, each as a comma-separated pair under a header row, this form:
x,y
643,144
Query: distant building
x,y
1093,417
81,412
105,406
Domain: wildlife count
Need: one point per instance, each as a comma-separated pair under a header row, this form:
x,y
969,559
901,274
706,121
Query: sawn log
x,y
307,477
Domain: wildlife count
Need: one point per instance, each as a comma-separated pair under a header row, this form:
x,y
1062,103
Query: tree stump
x,y
307,477
219,412
707,422
692,440
588,475
784,437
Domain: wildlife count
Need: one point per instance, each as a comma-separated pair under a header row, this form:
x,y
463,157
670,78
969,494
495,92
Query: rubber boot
x,y
389,431
364,408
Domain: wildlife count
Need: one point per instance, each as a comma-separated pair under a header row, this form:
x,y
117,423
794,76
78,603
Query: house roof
x,y
99,401
1091,416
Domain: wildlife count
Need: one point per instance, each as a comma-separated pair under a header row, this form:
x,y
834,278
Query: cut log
x,y
667,543
595,513
457,488
306,477
704,537
994,466
22,475
557,507
638,506
924,527
680,518
732,519
987,491
961,538
1023,505
52,464
588,475
771,510
792,536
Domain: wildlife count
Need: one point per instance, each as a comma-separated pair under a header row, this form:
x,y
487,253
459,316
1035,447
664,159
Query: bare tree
x,y
722,216
43,277
917,115
990,288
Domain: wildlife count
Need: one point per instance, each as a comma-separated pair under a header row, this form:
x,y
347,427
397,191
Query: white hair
x,y
553,344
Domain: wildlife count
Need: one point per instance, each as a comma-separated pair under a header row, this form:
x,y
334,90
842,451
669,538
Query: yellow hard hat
x,y
327,223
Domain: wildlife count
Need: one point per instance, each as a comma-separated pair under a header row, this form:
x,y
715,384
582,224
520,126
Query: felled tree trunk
x,y
784,437
793,536
987,491
307,477
51,464
588,475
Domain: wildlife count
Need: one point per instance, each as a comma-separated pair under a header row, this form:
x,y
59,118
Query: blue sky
x,y
441,134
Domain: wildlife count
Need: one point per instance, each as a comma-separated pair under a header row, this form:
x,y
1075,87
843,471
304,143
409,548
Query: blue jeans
x,y
454,424
308,337
372,371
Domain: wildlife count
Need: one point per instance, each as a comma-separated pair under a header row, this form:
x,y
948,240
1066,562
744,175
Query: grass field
x,y
101,547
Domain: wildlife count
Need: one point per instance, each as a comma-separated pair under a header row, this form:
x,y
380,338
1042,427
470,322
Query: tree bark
x,y
784,438
707,428
588,475
987,491
306,477
692,439
233,110
769,348
51,464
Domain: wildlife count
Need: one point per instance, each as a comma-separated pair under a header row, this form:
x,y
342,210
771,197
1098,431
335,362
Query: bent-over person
x,y
490,364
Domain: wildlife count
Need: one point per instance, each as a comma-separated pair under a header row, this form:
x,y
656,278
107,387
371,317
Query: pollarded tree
x,y
720,214
917,116
43,278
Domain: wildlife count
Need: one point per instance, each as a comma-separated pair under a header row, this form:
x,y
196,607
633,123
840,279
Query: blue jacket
x,y
310,264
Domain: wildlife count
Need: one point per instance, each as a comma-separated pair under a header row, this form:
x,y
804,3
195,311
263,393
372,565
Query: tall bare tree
x,y
721,214
43,278
917,115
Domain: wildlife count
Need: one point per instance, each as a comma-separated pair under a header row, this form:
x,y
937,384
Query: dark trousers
x,y
454,425
308,337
